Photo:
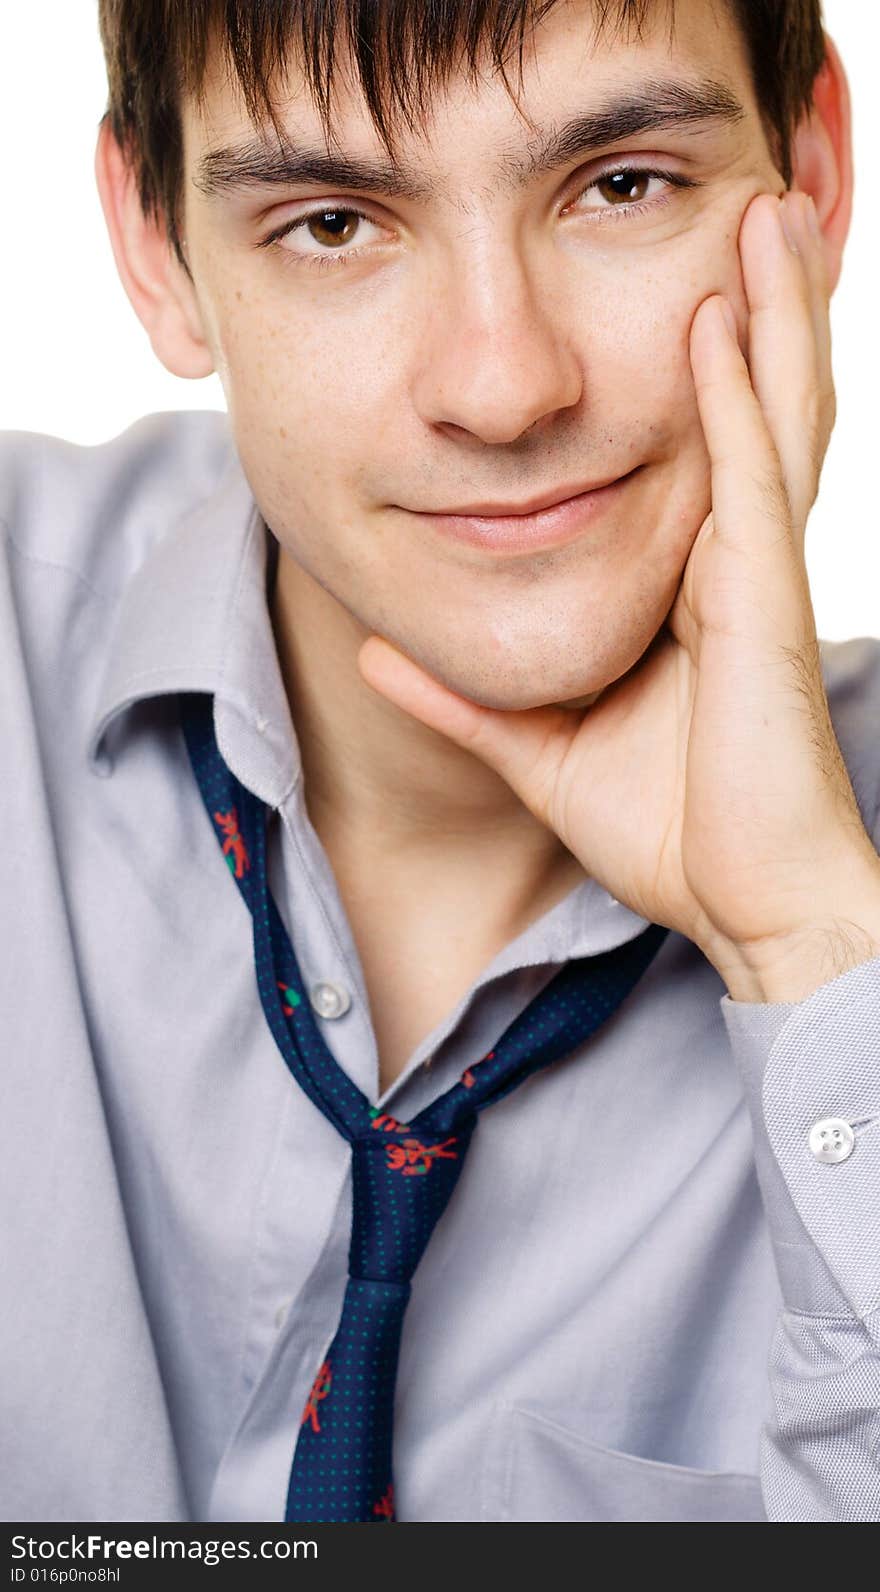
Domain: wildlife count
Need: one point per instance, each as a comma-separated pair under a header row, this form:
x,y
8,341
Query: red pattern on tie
x,y
233,844
413,1158
319,1390
385,1507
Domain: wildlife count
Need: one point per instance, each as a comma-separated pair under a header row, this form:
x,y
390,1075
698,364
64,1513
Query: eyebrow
x,y
655,105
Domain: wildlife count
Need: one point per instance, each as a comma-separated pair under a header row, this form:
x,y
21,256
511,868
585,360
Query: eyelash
x,y
331,260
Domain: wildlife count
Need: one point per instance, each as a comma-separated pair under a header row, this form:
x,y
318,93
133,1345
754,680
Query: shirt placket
x,y
300,1260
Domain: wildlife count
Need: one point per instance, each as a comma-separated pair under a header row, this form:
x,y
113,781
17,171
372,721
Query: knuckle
x,y
820,417
830,405
774,499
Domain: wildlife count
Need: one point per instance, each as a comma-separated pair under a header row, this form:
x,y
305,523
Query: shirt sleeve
x,y
803,1063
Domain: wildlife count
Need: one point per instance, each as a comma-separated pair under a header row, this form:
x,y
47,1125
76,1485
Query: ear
x,y
822,158
161,292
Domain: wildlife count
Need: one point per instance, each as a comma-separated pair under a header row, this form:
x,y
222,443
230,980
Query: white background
x,y
77,363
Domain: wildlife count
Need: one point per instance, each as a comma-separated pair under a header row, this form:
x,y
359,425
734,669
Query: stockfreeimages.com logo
x,y
210,1552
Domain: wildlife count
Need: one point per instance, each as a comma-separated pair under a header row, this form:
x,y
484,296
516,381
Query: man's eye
x,y
624,191
324,232
629,187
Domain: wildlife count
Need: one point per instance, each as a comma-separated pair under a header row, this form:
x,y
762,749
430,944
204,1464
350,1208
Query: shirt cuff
x,y
803,1062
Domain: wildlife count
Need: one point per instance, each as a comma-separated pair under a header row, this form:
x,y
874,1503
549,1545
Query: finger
x,y
812,252
789,351
813,261
751,519
527,747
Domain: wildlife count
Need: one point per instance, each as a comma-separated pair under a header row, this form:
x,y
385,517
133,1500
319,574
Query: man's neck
x,y
387,794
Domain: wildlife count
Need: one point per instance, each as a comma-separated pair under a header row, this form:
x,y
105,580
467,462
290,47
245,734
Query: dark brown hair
x,y
157,51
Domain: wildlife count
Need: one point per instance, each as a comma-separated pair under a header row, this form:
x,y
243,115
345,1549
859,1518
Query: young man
x,y
339,653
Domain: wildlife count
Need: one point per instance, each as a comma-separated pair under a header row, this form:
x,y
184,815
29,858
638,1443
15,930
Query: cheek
x,y
635,347
639,379
300,407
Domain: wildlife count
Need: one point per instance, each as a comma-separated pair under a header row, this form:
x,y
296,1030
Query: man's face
x,y
493,340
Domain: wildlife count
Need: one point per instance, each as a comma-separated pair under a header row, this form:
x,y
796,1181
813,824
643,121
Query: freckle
x,y
238,292
282,432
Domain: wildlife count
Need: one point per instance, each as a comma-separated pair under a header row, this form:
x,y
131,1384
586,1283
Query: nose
x,y
495,356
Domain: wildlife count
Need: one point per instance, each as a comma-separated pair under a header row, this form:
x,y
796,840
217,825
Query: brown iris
x,y
333,226
629,186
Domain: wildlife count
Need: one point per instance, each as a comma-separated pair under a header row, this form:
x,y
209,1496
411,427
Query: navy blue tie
x,y
403,1174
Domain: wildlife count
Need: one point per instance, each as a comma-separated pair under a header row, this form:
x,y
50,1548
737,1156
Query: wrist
x,y
790,966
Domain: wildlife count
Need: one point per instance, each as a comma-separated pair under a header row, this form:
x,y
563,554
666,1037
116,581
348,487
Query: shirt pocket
x,y
537,1469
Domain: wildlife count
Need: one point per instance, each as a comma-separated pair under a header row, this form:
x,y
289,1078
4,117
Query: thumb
x,y
525,746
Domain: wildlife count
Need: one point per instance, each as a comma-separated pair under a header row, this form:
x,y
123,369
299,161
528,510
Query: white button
x,y
832,1139
329,1000
262,725
281,1313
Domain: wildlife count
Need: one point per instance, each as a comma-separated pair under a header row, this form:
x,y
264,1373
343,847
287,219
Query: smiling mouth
x,y
535,505
513,531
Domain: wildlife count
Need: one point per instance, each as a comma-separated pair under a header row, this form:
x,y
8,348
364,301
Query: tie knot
x,y
401,1184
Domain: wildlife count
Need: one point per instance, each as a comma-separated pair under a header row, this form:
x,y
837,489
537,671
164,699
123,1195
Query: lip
x,y
509,511
547,522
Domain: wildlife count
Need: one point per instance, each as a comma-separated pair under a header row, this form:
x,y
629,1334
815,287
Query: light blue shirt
x,y
649,1298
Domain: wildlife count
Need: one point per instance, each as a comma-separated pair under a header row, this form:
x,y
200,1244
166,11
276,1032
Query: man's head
x,y
506,317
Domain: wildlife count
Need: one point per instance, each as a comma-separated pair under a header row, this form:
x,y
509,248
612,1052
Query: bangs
x,y
401,53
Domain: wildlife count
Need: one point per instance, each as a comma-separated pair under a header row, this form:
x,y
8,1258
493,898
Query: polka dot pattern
x,y
403,1174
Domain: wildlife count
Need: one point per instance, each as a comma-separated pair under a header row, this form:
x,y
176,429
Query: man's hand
x,y
706,788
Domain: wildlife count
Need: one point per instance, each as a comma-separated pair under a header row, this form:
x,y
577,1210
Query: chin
x,y
576,704
518,695
538,679
514,701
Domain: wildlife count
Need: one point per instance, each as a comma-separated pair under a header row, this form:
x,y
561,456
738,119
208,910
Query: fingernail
x,y
813,220
788,223
729,317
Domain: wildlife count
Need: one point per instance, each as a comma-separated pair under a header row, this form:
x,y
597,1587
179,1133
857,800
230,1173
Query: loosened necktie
x,y
403,1173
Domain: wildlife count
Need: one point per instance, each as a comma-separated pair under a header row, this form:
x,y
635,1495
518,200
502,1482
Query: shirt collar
x,y
195,617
